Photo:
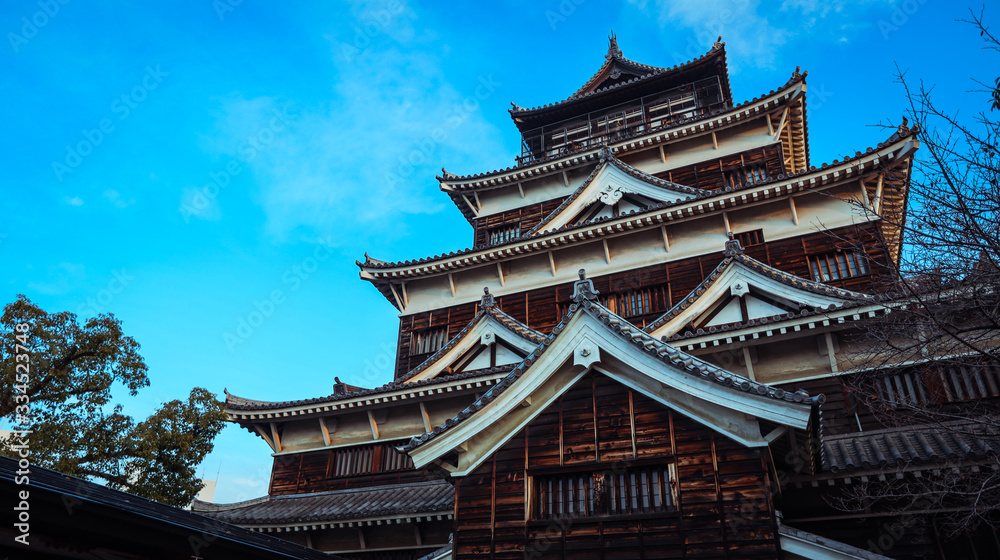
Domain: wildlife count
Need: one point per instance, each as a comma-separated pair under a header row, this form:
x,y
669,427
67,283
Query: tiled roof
x,y
635,335
172,527
911,445
607,157
490,310
239,403
429,497
615,57
455,181
378,264
796,282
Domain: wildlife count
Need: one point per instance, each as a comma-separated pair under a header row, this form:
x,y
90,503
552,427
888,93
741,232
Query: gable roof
x,y
607,183
592,336
609,80
736,276
484,329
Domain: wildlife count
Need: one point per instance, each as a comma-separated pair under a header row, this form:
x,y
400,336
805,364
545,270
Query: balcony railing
x,y
625,120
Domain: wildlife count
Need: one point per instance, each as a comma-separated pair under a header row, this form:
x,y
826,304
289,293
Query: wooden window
x,y
631,303
838,265
366,459
904,388
428,340
746,175
970,382
750,238
603,493
503,234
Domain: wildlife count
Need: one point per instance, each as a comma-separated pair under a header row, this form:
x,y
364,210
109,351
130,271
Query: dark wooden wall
x,y
315,471
527,217
710,174
723,507
542,309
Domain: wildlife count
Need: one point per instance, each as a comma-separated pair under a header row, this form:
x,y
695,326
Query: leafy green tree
x,y
66,393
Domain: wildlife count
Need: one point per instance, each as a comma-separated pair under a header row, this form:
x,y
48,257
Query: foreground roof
x,y
395,503
82,516
589,335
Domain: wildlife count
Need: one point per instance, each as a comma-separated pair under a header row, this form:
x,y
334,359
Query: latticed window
x,y
610,492
902,389
746,175
366,459
968,382
749,238
428,340
503,234
631,303
837,265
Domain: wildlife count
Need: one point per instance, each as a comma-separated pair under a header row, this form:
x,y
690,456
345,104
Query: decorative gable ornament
x,y
611,194
584,289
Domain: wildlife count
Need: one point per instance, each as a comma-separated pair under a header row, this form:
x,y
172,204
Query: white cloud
x,y
757,34
74,201
114,197
367,158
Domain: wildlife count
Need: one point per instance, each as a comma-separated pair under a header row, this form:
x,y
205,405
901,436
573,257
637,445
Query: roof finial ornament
x,y
613,50
797,74
487,300
904,128
605,153
718,44
733,246
584,289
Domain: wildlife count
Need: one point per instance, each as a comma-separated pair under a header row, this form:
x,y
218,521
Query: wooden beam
x,y
469,203
374,426
406,298
795,213
770,126
451,282
552,262
520,189
864,195
565,178
277,438
829,352
325,431
725,220
426,418
399,302
500,275
781,125
478,204
749,362
878,193
607,252
266,435
715,141
666,240
663,155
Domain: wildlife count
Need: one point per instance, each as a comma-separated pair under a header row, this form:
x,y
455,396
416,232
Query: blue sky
x,y
185,164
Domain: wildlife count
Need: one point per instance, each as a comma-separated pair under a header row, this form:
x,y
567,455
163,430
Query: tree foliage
x,y
76,428
944,321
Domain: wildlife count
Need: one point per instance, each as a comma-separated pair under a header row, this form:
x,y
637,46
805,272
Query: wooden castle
x,y
642,355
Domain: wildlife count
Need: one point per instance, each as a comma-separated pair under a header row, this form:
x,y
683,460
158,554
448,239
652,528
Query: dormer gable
x,y
744,290
492,339
615,189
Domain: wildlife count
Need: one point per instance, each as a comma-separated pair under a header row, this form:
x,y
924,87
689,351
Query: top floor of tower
x,y
622,99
